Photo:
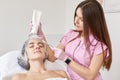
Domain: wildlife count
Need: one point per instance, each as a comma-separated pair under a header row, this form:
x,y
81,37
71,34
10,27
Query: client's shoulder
x,y
62,73
19,76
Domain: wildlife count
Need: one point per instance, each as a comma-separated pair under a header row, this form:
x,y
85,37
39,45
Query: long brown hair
x,y
94,21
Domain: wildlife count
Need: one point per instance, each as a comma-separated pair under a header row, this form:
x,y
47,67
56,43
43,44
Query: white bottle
x,y
35,21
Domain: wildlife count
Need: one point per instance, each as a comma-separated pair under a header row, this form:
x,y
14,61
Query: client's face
x,y
35,49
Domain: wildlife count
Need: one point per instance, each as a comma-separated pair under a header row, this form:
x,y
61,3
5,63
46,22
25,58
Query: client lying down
x,y
33,58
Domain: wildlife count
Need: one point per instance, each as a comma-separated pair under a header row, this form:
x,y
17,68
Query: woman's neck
x,y
82,36
37,66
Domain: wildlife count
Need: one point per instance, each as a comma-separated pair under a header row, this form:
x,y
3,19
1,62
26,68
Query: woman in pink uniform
x,y
87,48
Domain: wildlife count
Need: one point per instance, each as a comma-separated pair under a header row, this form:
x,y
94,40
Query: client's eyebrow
x,y
31,43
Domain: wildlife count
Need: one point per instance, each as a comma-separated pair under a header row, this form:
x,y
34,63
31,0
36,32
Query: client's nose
x,y
37,46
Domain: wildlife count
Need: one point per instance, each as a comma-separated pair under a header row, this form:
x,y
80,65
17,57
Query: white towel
x,y
56,79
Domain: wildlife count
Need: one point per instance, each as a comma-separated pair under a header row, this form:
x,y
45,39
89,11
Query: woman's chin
x,y
78,30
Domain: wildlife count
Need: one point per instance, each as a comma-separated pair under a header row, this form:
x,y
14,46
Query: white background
x,y
57,18
112,5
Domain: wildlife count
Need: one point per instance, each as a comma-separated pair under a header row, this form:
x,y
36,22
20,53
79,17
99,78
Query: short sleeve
x,y
99,48
68,36
64,40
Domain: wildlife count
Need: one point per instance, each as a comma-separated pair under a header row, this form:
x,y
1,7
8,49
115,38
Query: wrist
x,y
67,61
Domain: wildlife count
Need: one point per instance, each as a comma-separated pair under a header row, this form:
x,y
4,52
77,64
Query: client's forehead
x,y
35,40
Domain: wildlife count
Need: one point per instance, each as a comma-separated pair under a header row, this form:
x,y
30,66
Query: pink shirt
x,y
77,49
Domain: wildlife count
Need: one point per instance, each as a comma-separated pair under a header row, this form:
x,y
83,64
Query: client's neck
x,y
37,66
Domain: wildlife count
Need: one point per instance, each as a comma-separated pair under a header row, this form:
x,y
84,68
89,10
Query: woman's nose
x,y
76,20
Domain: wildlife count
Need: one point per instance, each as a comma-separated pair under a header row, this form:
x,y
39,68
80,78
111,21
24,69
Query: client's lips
x,y
37,51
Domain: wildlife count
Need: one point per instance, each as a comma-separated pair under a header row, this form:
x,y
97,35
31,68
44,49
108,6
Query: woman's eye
x,y
81,19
